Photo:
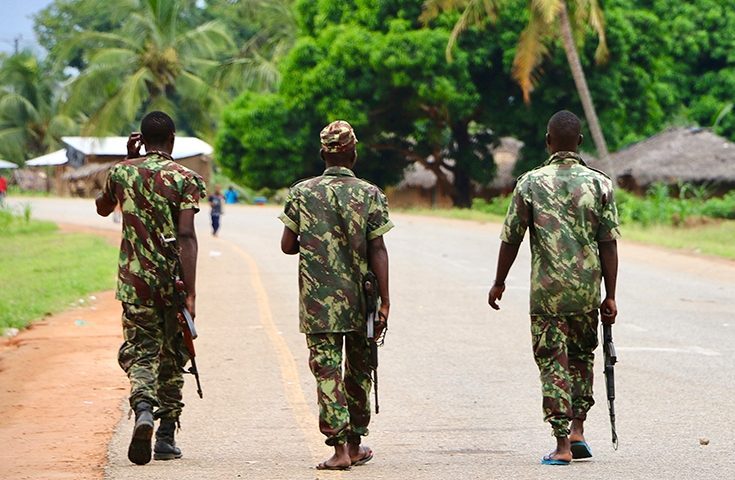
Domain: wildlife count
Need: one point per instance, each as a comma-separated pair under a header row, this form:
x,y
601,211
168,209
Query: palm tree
x,y
154,61
30,121
549,19
275,29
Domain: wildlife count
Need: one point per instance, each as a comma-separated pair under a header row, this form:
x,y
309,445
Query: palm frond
x,y
548,10
433,8
530,52
476,13
597,20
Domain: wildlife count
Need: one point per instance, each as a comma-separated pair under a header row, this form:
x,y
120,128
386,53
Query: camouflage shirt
x,y
151,192
335,216
568,208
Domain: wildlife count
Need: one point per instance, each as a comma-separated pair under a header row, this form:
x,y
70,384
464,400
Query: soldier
x,y
336,223
158,198
573,221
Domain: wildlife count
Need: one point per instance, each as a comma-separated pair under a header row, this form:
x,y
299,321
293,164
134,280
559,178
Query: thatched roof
x,y
692,155
88,171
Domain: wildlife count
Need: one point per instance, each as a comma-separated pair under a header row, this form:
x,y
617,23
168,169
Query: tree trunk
x,y
462,192
581,82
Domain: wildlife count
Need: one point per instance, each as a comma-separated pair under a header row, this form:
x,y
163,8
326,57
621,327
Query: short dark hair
x,y
157,127
564,127
340,158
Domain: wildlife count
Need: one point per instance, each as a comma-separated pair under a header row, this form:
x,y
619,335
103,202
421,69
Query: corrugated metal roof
x,y
117,146
54,158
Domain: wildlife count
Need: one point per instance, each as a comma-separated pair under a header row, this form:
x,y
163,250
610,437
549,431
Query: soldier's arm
x,y
609,261
289,242
187,240
378,261
506,257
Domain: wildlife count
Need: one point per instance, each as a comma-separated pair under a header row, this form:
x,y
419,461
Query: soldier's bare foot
x,y
339,461
577,431
359,454
563,452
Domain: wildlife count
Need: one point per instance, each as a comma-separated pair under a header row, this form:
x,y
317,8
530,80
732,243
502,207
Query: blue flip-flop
x,y
581,450
547,460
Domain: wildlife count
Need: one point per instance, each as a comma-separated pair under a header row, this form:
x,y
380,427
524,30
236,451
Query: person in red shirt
x,y
3,189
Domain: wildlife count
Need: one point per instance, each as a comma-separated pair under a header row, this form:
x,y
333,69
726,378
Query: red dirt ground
x,y
60,391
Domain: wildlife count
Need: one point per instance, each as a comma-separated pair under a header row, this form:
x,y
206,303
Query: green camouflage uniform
x,y
568,208
335,215
151,192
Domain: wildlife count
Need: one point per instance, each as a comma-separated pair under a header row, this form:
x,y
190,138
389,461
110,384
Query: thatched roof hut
x,y
690,155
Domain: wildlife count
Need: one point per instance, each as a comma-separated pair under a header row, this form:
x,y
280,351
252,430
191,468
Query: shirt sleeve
x,y
109,189
608,229
379,222
517,218
194,190
291,212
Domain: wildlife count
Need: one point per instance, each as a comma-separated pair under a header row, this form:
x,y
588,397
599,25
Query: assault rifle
x,y
370,288
190,334
611,358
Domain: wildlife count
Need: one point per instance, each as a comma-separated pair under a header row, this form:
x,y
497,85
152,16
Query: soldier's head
x,y
338,144
158,131
564,132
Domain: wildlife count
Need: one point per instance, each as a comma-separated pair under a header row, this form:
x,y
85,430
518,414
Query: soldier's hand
x,y
495,294
608,311
190,303
382,323
135,141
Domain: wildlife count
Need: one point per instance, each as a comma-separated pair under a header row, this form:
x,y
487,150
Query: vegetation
x,y
549,20
46,269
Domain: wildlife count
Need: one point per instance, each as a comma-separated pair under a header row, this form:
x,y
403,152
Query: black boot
x,y
139,451
165,448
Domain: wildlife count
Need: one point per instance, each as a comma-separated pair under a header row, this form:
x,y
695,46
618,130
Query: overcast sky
x,y
15,21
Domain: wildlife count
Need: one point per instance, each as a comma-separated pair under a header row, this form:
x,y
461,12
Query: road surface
x,y
460,394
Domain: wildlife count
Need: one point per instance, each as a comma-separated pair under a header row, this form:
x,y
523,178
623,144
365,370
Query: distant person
x,y
230,195
3,189
159,198
570,212
216,200
336,223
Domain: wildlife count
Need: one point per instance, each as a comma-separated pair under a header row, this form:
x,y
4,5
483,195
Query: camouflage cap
x,y
337,137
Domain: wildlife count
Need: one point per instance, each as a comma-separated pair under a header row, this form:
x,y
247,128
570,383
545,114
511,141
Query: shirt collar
x,y
338,172
565,158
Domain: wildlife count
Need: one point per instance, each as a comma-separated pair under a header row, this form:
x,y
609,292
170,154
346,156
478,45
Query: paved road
x,y
459,390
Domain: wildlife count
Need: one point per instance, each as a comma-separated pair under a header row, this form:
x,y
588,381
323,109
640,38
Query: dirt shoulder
x,y
60,392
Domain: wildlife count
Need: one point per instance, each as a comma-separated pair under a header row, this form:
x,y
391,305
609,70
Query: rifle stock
x,y
370,289
611,358
190,334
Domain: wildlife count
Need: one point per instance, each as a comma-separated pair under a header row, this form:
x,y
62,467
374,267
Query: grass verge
x,y
42,270
714,238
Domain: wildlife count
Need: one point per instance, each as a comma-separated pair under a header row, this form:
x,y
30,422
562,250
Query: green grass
x,y
709,239
714,238
43,271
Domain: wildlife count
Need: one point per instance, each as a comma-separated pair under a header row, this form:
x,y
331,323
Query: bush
x,y
496,205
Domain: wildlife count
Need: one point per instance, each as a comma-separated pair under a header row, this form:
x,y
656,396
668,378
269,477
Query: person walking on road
x,y
570,211
159,198
216,200
230,195
336,223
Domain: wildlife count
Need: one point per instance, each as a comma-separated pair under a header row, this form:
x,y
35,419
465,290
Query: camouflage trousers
x,y
343,396
153,355
563,348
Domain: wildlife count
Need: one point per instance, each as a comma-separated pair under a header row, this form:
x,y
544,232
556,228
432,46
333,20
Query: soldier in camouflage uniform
x,y
570,211
336,223
158,198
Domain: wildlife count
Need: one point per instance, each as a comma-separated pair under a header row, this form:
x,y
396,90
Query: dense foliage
x,y
372,64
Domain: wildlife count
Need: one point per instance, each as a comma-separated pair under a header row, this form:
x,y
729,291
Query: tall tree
x,y
30,121
155,60
548,20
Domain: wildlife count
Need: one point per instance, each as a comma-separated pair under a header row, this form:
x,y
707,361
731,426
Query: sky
x,y
16,22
